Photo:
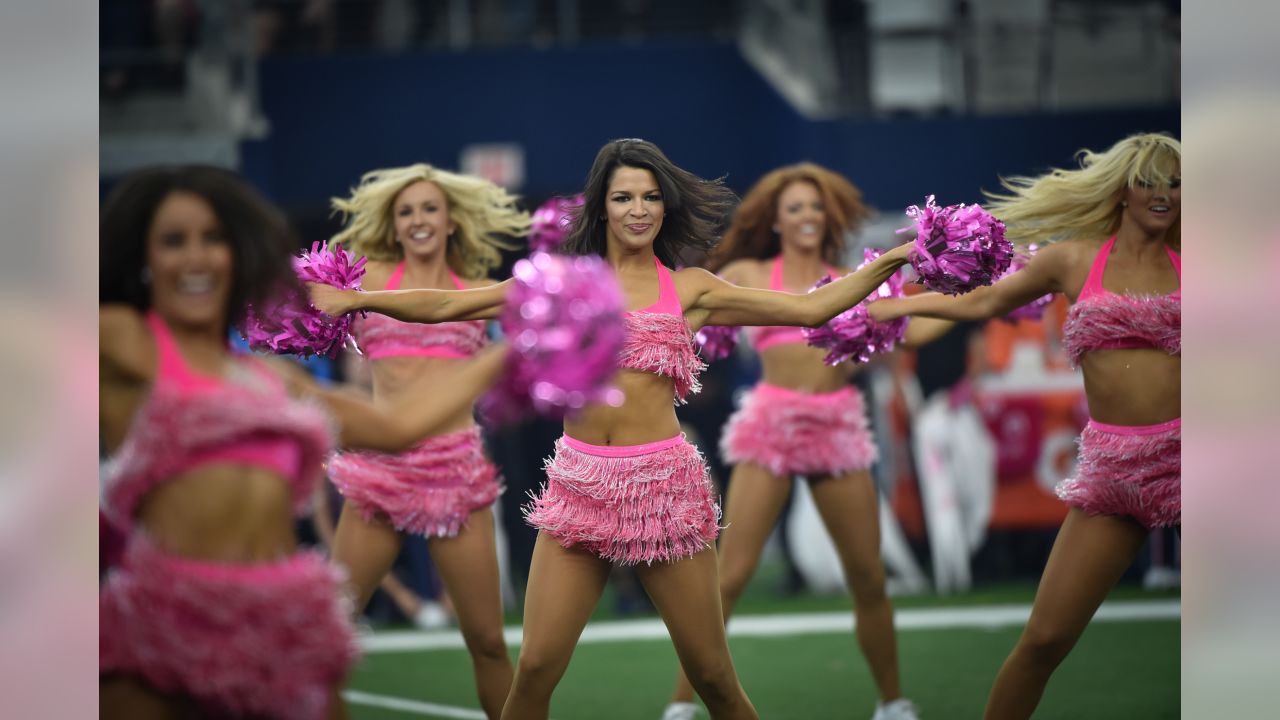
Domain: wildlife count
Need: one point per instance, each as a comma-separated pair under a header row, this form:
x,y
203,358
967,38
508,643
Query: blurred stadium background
x,y
905,97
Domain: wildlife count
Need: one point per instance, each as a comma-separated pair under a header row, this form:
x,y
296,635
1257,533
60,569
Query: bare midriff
x,y
646,415
800,367
401,381
1141,386
221,512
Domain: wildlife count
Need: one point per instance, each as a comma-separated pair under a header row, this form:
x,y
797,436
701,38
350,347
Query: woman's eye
x,y
654,198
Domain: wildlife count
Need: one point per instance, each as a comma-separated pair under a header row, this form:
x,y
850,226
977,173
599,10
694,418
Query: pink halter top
x,y
763,338
1103,320
379,336
658,340
190,419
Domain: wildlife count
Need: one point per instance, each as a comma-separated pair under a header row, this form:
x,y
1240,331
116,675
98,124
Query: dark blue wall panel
x,y
333,118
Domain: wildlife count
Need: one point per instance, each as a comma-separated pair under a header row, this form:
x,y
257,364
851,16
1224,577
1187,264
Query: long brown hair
x,y
751,234
696,208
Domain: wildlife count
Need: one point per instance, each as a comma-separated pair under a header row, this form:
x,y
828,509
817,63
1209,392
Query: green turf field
x,y
1120,669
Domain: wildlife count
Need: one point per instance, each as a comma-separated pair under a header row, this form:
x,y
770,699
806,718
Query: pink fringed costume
x,y
639,503
791,432
1133,471
261,638
433,488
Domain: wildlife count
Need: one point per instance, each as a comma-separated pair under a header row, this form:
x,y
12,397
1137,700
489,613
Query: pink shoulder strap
x,y
668,298
775,276
1176,259
170,366
397,275
1093,283
456,281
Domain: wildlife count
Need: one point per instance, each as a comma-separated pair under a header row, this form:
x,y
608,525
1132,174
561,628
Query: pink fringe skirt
x,y
430,490
1133,471
270,639
790,432
628,504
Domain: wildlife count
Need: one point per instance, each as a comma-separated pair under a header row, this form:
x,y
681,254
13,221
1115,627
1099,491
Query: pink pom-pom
x,y
290,324
551,223
853,334
1033,310
716,342
958,247
564,321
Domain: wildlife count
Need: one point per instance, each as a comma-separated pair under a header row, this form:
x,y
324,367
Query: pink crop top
x,y
1103,320
763,338
190,419
659,341
379,336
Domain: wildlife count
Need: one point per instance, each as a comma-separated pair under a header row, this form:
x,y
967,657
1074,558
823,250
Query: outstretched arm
x,y
922,330
1042,275
722,303
423,306
367,427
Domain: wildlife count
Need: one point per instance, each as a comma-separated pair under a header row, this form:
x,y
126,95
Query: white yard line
x,y
414,707
982,617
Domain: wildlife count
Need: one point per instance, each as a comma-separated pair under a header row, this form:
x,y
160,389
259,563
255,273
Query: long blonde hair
x,y
482,211
1085,203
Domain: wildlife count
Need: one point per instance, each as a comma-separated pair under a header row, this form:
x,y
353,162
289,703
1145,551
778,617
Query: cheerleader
x,y
624,486
803,418
423,227
1118,221
212,609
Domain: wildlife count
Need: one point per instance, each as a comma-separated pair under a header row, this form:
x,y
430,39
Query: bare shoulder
x,y
1068,254
126,346
376,274
747,272
116,318
694,278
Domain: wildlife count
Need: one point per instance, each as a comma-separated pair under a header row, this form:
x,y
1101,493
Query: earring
x,y
1124,203
145,276
777,230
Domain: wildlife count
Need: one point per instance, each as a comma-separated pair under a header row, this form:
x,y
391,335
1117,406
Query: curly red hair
x,y
751,233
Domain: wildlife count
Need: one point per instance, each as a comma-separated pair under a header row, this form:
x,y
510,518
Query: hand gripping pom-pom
x,y
716,342
958,247
1033,310
551,223
290,324
853,334
564,321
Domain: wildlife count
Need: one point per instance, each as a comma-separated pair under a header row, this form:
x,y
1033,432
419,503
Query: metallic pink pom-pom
x,y
290,324
551,223
853,334
716,342
1033,310
958,247
564,321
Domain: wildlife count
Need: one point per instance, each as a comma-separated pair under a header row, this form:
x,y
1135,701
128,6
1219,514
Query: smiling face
x,y
1154,208
190,262
634,207
421,216
800,218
